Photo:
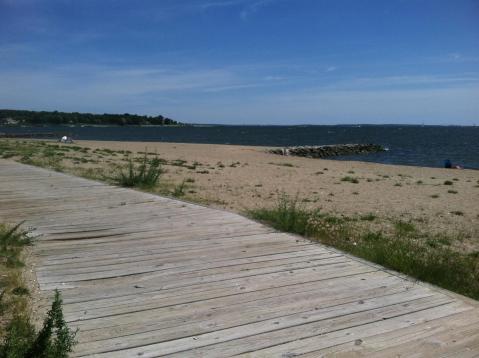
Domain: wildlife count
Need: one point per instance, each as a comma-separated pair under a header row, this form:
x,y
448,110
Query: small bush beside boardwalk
x,y
18,337
424,256
145,175
54,340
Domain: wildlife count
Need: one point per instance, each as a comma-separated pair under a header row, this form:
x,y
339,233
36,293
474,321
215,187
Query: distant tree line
x,y
9,116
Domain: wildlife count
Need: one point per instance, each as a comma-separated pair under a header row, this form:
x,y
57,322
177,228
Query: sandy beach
x,y
239,178
242,178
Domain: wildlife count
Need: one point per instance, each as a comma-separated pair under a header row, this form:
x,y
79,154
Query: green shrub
x,y
54,340
12,242
19,339
146,175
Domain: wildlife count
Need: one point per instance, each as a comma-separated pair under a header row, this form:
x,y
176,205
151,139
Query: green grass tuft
x,y
179,190
427,257
12,241
288,216
18,336
54,340
368,217
350,179
146,175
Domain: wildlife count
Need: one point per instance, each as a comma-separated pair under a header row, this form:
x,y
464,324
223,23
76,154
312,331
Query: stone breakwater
x,y
324,151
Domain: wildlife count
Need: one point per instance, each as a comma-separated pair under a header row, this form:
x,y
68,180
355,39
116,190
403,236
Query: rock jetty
x,y
324,151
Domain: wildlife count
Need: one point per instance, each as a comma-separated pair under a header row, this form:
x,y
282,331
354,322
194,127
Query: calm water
x,y
411,145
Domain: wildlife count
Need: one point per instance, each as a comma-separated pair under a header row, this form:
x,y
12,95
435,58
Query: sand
x,y
239,178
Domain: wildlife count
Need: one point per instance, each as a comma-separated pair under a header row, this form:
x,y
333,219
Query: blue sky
x,y
245,61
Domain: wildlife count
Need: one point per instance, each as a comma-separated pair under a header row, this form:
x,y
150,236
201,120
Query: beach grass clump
x,y
145,175
179,189
425,256
13,293
282,164
350,179
12,242
452,191
18,337
54,340
404,228
288,215
178,162
368,217
448,182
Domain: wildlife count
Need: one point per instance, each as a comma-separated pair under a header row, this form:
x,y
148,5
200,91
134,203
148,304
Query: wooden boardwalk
x,y
146,276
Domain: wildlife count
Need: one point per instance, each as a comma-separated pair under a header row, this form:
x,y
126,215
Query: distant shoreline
x,y
80,125
203,125
26,117
409,145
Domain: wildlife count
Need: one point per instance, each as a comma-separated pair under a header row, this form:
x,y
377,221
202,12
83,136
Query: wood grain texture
x,y
147,276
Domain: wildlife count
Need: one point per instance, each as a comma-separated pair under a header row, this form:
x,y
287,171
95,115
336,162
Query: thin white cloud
x,y
274,78
254,7
13,50
455,56
413,81
331,69
91,83
225,3
232,87
431,106
189,95
248,7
